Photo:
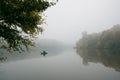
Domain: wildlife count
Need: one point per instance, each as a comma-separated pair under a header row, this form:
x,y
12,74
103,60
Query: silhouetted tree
x,y
19,22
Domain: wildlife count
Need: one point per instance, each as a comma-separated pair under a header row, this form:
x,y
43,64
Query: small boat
x,y
44,53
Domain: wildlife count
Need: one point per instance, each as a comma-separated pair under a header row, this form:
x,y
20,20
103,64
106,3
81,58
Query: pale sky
x,y
69,18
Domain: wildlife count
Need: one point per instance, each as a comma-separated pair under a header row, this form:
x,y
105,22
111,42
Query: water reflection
x,y
109,58
65,66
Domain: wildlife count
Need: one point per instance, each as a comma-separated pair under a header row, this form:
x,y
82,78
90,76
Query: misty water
x,y
65,22
62,64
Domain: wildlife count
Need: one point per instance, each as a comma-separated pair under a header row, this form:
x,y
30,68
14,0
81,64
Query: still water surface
x,y
67,65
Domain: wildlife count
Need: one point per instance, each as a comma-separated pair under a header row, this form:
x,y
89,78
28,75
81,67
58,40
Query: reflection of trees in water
x,y
109,58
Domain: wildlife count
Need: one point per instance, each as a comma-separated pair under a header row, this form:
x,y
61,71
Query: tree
x,y
20,22
108,39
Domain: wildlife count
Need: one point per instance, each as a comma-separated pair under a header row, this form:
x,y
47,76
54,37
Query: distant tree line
x,y
108,39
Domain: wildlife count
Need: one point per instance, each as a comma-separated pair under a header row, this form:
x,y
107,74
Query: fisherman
x,y
44,53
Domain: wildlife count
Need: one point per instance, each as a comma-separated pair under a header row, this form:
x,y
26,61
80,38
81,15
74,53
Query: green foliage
x,y
109,39
103,47
19,20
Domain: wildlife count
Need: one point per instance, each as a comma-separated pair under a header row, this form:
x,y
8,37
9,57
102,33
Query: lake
x,y
69,64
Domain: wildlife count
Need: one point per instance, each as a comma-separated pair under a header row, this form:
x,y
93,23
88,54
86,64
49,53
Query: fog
x,y
66,20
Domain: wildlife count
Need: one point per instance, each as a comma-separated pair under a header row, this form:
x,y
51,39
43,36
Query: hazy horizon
x,y
66,20
59,53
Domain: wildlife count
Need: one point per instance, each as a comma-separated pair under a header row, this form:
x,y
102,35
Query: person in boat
x,y
44,53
